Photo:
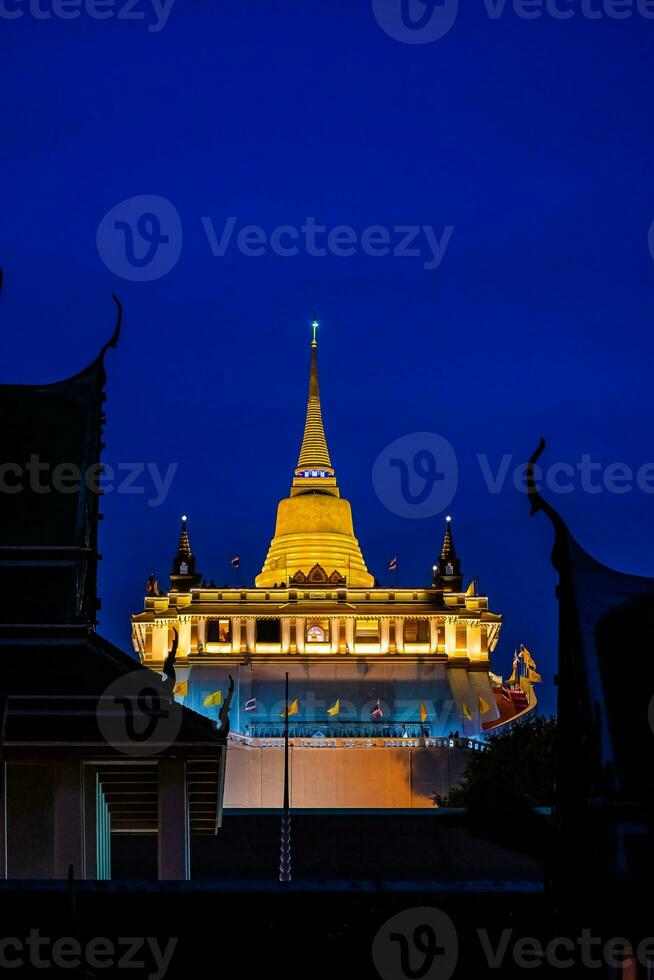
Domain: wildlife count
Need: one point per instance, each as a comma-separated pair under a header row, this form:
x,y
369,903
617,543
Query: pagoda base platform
x,y
345,773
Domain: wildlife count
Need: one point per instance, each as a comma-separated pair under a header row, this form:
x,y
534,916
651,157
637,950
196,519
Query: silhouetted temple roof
x,y
62,683
606,670
55,690
52,437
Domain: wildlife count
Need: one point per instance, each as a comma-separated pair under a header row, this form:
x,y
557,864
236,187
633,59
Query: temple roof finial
x,y
448,550
184,575
184,548
447,571
314,459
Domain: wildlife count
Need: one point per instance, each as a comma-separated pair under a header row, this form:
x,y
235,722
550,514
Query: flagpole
x,y
285,851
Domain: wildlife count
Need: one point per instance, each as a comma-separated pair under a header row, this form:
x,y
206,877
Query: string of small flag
x,y
215,699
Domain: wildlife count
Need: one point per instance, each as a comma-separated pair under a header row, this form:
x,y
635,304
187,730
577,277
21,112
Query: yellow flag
x,y
534,677
471,588
527,657
180,690
212,700
423,713
293,709
335,708
483,705
466,712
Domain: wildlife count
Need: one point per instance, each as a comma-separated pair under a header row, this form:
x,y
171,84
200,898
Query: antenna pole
x,y
285,851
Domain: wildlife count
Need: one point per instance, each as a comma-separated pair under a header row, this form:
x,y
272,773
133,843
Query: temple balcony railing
x,y
343,730
270,736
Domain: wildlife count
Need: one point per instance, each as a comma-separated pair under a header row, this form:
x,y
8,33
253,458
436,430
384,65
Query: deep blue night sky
x,y
532,138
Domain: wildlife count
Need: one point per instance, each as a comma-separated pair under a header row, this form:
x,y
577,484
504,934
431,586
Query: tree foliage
x,y
517,765
502,786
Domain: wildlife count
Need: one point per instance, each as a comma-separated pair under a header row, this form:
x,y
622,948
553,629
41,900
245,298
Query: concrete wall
x,y
30,821
341,777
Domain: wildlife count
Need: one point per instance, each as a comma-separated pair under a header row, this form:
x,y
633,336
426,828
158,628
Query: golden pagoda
x,y
314,534
392,684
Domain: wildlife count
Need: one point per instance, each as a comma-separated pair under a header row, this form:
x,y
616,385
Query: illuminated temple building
x,y
390,687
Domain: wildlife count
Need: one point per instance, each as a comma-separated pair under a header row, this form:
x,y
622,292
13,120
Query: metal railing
x,y
345,729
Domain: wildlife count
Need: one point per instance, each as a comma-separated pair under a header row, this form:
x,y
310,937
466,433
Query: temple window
x,y
219,631
416,631
318,632
367,630
269,631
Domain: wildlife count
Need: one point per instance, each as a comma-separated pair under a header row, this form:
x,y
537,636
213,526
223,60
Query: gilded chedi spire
x,y
314,535
314,454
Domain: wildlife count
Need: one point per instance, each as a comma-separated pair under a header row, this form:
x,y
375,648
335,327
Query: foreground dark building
x,y
93,745
603,858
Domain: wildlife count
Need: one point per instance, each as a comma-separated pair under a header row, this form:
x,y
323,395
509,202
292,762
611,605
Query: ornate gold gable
x,y
318,576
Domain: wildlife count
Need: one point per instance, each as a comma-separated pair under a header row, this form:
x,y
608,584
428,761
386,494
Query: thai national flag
x,y
392,565
251,704
236,561
377,711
